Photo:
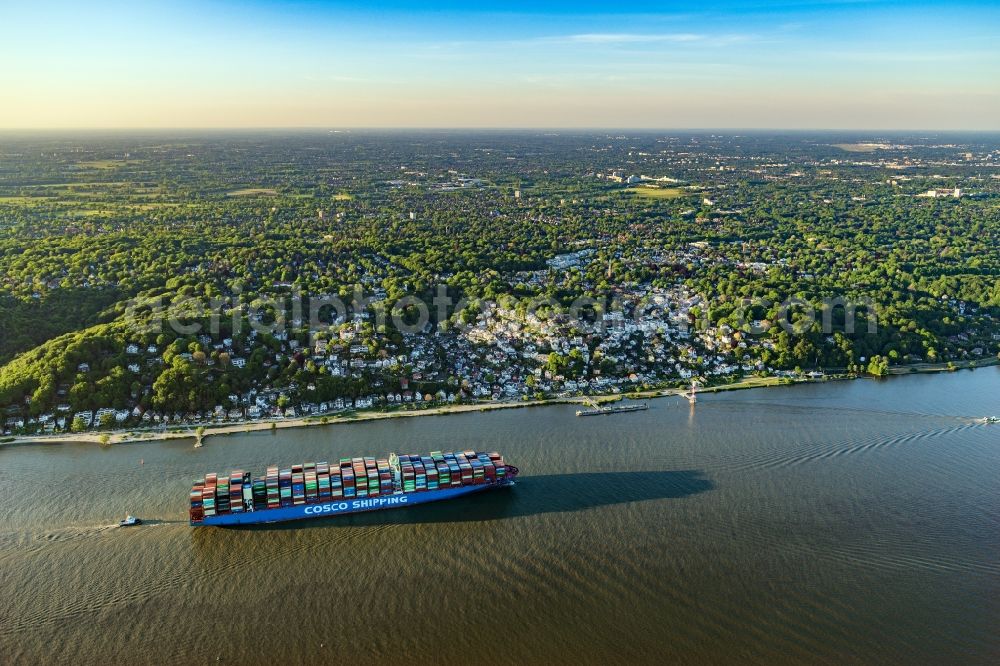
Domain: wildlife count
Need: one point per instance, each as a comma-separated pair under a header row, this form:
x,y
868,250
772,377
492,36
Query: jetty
x,y
612,409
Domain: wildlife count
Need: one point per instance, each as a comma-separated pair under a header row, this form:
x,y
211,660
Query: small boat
x,y
129,521
991,419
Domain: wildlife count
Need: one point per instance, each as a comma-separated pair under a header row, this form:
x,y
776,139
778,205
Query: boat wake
x,y
773,459
214,560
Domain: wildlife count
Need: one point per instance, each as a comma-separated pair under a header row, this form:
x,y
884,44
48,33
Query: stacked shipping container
x,y
311,483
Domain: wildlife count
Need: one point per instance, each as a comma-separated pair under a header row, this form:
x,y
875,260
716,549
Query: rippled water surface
x,y
825,523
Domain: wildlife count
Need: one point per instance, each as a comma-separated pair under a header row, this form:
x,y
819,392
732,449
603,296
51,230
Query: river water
x,y
823,523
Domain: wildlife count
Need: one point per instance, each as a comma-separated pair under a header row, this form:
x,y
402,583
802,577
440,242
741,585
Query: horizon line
x,y
453,128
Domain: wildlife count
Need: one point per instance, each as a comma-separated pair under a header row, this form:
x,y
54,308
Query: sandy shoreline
x,y
210,430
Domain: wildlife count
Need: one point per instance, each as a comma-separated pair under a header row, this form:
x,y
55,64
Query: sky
x,y
254,64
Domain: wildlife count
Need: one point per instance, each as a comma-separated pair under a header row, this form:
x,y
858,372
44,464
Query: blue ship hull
x,y
344,505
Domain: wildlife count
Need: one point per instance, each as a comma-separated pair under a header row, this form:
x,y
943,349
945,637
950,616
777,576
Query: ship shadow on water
x,y
532,495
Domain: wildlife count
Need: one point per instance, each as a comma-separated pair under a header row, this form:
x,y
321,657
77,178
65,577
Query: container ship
x,y
352,485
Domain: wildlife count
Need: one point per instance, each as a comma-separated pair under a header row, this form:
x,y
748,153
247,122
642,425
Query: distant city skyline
x,y
782,65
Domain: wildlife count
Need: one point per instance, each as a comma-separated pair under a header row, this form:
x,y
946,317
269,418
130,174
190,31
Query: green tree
x,y
878,366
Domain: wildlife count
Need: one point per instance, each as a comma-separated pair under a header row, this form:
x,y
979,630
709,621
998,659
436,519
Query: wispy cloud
x,y
595,39
325,78
612,38
625,38
911,57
